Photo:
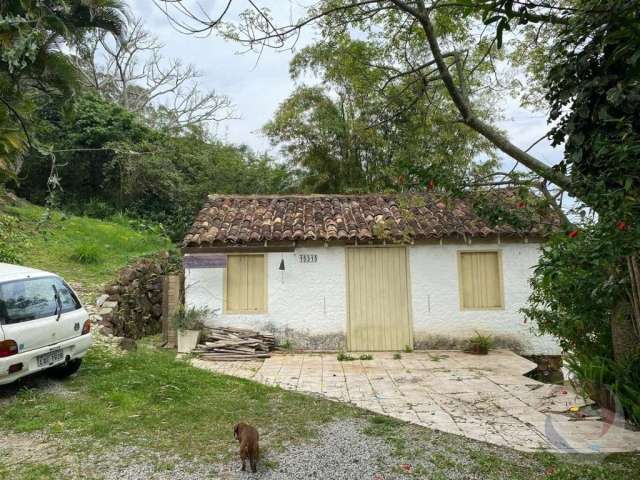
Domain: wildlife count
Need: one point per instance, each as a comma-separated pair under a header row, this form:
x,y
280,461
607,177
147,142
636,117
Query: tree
x,y
593,88
131,71
33,65
439,44
109,161
346,138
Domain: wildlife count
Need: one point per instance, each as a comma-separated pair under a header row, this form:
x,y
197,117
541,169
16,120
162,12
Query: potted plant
x,y
479,344
188,323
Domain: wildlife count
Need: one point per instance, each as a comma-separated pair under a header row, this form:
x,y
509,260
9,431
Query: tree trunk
x,y
634,292
623,335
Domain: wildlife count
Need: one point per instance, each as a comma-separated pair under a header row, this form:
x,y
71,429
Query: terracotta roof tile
x,y
255,219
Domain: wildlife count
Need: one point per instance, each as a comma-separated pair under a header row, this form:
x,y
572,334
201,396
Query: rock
x,y
12,197
156,297
128,275
134,305
106,331
144,304
106,322
154,286
127,344
101,299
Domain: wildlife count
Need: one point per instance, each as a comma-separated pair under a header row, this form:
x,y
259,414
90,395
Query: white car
x,y
42,324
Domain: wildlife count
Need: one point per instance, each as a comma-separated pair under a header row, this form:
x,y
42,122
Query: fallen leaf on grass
x,y
406,467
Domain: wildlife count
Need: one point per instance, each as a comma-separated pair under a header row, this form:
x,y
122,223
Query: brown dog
x,y
248,438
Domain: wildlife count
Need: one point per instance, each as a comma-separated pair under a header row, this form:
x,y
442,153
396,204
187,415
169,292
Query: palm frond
x,y
109,15
58,72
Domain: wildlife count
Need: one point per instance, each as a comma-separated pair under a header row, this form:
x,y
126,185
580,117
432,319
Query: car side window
x,y
69,301
25,300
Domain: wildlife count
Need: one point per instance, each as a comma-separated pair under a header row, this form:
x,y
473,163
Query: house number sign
x,y
308,258
205,261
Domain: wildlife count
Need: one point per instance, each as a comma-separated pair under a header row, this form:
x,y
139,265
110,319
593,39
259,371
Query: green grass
x,y
86,253
150,400
81,249
147,398
344,357
437,455
29,471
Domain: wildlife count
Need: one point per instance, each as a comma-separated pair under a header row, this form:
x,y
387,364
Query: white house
x,y
363,272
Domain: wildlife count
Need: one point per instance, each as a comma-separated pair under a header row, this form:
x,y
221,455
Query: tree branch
x,y
464,107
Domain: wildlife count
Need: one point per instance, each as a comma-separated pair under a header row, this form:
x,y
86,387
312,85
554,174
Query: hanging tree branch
x,y
258,28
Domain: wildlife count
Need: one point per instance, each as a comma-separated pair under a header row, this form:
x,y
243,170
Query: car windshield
x,y
31,299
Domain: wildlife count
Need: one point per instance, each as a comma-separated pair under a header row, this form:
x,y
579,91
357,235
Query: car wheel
x,y
66,369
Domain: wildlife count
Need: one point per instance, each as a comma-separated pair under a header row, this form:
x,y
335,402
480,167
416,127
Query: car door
x,y
28,312
72,316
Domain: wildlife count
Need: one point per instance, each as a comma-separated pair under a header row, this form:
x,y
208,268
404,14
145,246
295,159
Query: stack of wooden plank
x,y
228,343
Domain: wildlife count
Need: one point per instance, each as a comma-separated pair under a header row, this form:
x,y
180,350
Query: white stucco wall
x,y
306,296
436,297
311,297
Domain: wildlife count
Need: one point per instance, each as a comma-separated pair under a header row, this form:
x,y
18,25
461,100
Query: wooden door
x,y
379,312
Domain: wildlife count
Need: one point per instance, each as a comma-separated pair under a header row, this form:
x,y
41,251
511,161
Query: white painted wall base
x,y
310,298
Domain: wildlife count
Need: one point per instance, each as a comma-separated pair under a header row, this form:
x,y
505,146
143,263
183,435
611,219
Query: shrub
x,y
97,208
366,356
87,254
191,318
606,381
344,357
397,356
575,288
408,349
479,344
581,284
12,241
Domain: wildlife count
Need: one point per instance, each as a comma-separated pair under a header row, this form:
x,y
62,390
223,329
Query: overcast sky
x,y
257,87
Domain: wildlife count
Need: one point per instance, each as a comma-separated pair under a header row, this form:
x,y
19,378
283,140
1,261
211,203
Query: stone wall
x,y
132,306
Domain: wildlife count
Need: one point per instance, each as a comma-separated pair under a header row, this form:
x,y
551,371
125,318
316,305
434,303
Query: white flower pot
x,y
187,340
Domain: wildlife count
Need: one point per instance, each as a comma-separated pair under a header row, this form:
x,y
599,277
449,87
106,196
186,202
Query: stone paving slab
x,y
485,398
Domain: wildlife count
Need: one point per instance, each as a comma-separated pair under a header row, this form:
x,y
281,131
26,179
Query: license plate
x,y
50,358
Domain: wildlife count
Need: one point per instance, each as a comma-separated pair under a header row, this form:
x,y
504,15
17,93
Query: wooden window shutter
x,y
245,284
480,280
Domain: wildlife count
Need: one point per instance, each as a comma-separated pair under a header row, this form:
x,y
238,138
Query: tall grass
x,y
81,249
86,253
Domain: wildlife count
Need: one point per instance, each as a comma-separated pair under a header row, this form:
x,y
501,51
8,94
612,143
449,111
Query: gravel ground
x,y
40,382
342,451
